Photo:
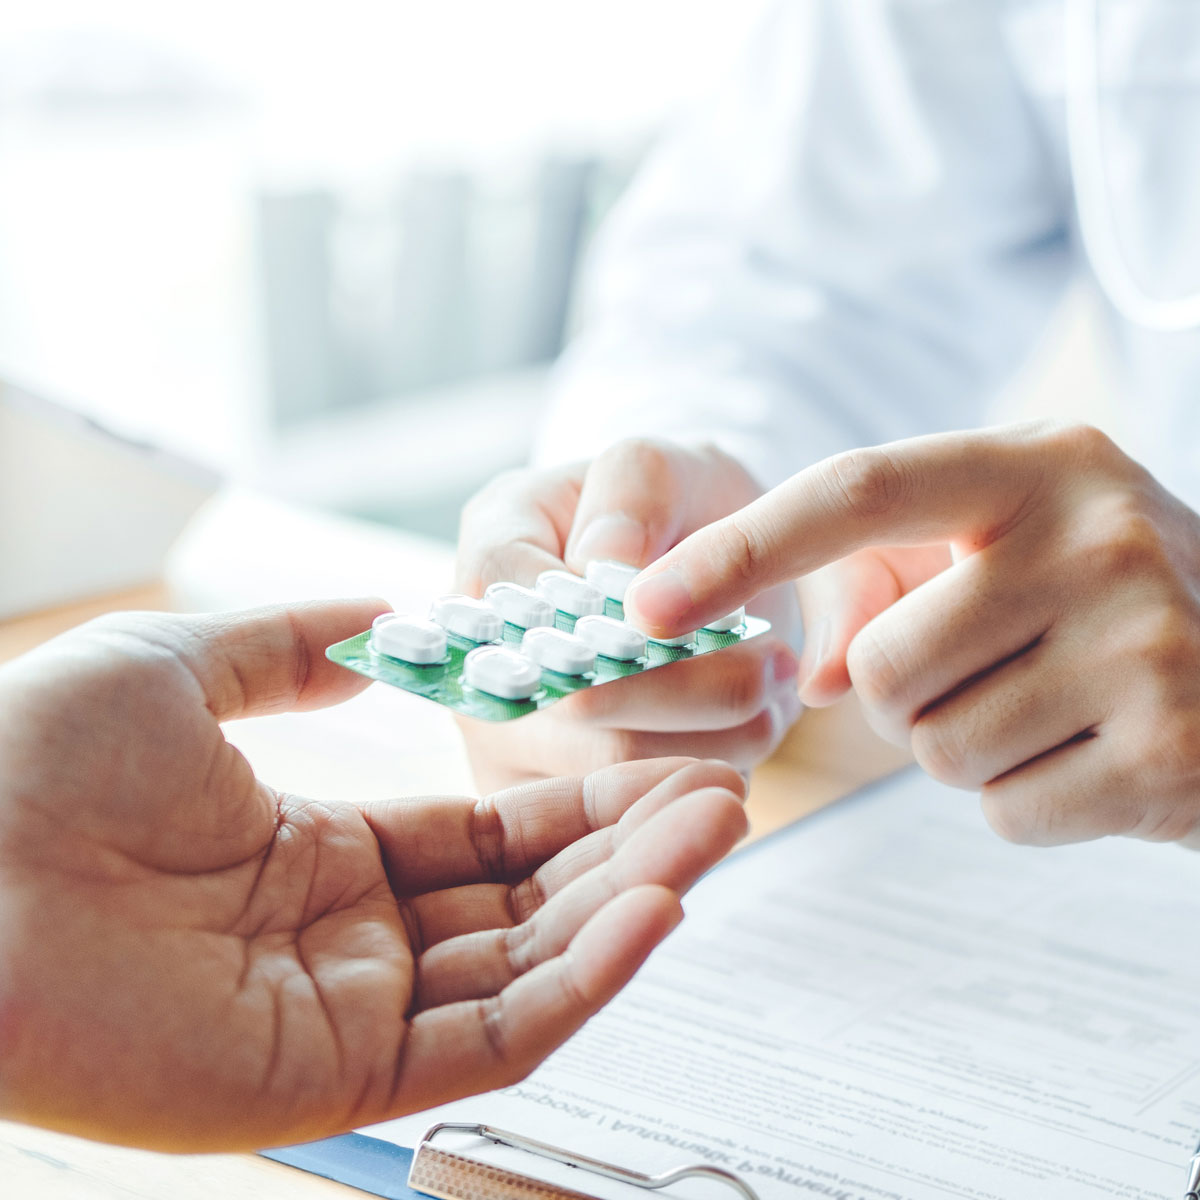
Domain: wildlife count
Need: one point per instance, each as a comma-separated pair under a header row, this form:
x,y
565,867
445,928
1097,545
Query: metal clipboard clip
x,y
451,1176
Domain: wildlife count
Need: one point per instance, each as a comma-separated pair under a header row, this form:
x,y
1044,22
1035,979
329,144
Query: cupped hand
x,y
1021,605
632,503
190,960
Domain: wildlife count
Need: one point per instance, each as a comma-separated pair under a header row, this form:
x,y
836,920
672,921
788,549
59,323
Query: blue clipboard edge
x,y
381,1168
366,1163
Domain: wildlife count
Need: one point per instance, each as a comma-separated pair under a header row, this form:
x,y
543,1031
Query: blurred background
x,y
328,249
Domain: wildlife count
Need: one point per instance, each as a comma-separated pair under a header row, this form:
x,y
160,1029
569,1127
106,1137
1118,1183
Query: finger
x,y
673,849
264,660
451,912
837,601
742,746
968,620
591,851
1074,793
962,487
713,692
516,527
429,843
1018,712
640,496
477,1045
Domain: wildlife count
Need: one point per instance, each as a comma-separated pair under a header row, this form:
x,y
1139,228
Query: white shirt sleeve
x,y
855,240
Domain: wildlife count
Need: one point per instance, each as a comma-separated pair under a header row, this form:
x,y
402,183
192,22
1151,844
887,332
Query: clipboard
x,y
914,834
398,1173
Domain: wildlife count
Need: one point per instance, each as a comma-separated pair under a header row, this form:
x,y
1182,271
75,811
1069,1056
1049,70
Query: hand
x,y
632,503
1041,643
192,961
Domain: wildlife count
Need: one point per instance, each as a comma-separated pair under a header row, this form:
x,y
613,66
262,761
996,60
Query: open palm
x,y
190,960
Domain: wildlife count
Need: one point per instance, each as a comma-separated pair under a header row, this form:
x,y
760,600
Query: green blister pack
x,y
471,659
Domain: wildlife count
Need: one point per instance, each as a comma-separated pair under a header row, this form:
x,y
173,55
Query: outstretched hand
x,y
190,960
1020,605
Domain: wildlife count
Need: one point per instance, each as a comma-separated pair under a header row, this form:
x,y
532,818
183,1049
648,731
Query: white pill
x,y
379,620
557,650
520,605
612,638
468,618
684,639
570,594
501,672
734,620
611,577
410,638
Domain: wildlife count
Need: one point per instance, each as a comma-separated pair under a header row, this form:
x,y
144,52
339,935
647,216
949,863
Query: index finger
x,y
956,486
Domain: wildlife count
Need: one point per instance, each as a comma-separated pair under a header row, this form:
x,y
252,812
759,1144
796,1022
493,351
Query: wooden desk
x,y
827,754
23,633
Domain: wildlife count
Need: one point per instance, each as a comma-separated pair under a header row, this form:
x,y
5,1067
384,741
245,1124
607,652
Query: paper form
x,y
888,1001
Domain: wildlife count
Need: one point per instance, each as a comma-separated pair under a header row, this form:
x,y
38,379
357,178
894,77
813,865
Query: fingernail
x,y
660,600
785,692
612,536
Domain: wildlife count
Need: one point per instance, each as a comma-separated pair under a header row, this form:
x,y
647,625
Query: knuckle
x,y
1169,822
491,1019
875,672
869,483
644,452
1127,543
488,838
1170,752
519,944
1015,820
650,461
743,548
1083,443
941,749
1165,641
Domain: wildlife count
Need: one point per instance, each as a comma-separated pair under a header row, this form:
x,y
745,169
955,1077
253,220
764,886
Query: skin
x,y
190,960
1020,605
632,503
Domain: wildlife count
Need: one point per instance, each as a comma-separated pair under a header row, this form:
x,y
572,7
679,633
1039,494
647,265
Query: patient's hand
x,y
191,960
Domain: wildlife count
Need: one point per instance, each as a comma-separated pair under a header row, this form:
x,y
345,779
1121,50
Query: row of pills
x,y
514,675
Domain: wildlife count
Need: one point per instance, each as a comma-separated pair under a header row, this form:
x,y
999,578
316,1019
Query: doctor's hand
x,y
1020,605
190,960
632,503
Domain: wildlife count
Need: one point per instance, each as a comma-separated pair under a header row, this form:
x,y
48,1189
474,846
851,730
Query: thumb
x,y
839,600
270,659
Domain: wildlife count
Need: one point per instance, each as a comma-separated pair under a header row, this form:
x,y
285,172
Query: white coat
x,y
862,233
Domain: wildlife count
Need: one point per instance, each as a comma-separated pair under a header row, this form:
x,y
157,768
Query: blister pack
x,y
521,649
